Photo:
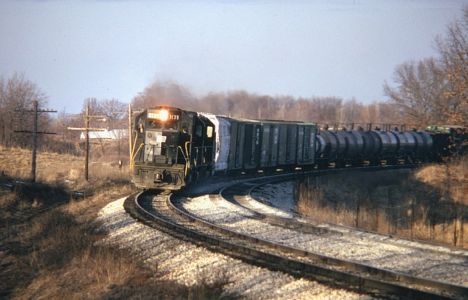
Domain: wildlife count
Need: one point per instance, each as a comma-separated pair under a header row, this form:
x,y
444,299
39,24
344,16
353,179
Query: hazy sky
x,y
113,49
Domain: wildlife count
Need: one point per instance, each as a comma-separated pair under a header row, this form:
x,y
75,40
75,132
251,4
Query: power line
x,y
87,129
36,111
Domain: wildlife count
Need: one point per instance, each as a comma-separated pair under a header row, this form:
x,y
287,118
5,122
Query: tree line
x,y
242,104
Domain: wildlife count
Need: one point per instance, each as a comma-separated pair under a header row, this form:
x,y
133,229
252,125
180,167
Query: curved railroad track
x,y
173,214
250,197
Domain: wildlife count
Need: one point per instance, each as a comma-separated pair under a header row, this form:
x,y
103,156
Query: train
x,y
173,148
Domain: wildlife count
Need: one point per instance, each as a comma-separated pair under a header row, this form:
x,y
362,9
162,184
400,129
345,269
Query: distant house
x,y
114,134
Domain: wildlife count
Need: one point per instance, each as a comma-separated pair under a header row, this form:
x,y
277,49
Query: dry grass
x,y
16,162
451,178
69,264
64,169
66,263
428,204
56,254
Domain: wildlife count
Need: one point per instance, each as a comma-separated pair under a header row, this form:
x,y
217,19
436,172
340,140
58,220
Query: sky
x,y
109,49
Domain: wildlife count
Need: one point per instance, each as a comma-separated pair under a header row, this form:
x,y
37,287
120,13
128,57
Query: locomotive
x,y
174,147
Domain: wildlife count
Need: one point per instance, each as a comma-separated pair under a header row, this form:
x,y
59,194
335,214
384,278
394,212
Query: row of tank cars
x,y
174,147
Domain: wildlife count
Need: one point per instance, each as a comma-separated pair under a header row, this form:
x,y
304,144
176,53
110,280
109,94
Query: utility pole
x,y
87,129
87,142
34,132
33,161
130,138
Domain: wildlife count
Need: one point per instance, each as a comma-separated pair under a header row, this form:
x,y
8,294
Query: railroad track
x,y
446,264
241,194
167,213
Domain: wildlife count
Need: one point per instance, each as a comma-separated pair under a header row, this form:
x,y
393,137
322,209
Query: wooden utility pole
x,y
34,132
87,129
130,138
33,161
87,142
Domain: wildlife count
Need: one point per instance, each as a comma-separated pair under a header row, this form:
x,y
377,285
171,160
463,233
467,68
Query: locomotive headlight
x,y
160,114
163,115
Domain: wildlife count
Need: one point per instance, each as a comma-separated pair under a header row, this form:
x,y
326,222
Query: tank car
x,y
372,147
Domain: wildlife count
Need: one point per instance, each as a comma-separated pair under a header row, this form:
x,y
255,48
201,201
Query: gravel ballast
x,y
187,264
370,249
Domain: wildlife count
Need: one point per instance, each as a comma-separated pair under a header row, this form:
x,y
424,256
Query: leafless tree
x,y
420,88
453,49
115,112
16,95
352,111
65,141
435,90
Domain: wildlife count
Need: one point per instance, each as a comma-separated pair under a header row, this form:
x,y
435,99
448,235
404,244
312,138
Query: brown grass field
x,y
429,203
53,254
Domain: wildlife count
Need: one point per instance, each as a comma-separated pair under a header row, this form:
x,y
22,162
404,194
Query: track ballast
x,y
165,212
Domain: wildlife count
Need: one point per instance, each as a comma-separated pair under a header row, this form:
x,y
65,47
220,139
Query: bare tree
x,y
352,111
453,49
436,90
420,88
115,112
327,110
65,141
17,94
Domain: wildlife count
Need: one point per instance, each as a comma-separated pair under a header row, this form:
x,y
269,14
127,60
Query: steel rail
x,y
260,252
387,280
294,224
386,274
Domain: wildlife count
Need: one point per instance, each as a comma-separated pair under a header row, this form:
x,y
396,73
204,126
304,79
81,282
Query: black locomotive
x,y
173,147
170,144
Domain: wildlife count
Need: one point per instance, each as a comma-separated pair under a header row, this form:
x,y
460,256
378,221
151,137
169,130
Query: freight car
x,y
173,147
373,147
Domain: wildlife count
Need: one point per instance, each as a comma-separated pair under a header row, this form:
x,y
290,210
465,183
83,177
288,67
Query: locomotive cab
x,y
170,146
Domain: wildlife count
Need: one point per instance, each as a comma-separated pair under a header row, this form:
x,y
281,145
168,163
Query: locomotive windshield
x,y
163,118
165,137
